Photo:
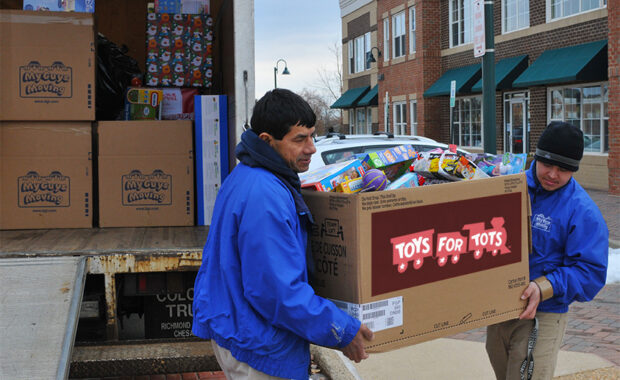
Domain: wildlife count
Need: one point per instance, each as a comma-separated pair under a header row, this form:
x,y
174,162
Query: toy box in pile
x,y
47,66
421,263
45,175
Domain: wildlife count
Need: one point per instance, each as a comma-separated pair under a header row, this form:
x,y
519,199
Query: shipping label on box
x,y
45,175
456,253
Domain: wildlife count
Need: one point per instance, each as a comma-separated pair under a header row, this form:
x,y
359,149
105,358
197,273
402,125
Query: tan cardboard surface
x,y
423,263
47,66
146,173
45,175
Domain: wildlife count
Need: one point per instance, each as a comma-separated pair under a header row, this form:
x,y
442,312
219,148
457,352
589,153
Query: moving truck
x,y
82,299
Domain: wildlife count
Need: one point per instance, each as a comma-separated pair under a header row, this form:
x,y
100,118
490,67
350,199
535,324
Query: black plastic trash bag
x,y
115,71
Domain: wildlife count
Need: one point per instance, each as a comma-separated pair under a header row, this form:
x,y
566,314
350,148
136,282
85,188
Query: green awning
x,y
506,71
465,77
350,98
585,62
371,98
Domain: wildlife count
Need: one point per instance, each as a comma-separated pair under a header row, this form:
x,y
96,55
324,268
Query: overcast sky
x,y
299,31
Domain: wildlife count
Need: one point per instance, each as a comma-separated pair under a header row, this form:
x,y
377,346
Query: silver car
x,y
338,147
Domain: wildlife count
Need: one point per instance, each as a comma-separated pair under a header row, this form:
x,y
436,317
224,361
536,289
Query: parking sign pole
x,y
488,82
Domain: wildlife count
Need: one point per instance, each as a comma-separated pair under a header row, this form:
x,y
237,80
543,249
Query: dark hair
x,y
280,109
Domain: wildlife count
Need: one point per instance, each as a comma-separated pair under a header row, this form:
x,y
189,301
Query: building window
x,y
351,121
369,120
414,117
386,39
398,34
360,121
412,30
400,118
466,122
515,15
564,8
585,107
359,51
460,22
351,58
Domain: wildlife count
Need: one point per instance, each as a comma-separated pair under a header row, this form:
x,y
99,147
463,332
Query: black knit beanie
x,y
560,144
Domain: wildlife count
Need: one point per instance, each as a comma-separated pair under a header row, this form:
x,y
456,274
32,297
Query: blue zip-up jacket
x,y
570,243
251,293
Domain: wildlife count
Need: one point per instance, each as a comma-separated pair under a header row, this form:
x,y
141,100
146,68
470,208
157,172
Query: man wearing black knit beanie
x,y
568,261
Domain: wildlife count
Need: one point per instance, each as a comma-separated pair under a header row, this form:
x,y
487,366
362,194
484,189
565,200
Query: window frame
x,y
386,39
461,122
412,30
398,26
504,16
400,108
549,9
413,112
464,30
604,111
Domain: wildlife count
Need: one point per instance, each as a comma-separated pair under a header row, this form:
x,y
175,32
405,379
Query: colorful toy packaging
x,y
407,180
143,103
393,161
87,6
350,186
327,178
179,50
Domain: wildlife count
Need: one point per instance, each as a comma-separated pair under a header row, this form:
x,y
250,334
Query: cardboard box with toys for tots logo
x,y
421,263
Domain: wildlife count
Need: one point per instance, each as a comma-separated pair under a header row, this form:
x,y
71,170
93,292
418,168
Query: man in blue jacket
x,y
252,297
568,261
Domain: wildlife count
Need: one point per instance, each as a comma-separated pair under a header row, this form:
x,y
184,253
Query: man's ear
x,y
266,137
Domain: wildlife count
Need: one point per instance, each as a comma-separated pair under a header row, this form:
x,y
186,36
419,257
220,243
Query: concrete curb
x,y
439,359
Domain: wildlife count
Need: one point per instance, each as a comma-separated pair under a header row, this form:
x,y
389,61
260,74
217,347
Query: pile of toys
x,y
403,167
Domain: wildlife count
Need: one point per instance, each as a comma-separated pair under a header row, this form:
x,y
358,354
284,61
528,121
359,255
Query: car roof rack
x,y
380,133
336,134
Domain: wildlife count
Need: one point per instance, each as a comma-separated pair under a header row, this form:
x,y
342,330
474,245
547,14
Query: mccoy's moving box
x,y
146,173
45,175
422,263
47,66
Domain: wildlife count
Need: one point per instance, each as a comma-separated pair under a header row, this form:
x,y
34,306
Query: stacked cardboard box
x,y
146,173
47,104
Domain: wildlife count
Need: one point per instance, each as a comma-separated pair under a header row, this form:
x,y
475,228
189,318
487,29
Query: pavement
x,y
591,347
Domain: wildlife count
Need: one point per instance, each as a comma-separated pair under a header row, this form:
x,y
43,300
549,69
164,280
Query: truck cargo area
x,y
132,290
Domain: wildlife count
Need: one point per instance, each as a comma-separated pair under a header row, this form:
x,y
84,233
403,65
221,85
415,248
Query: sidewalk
x,y
610,207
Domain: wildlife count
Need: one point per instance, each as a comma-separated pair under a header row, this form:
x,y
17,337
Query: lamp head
x,y
286,72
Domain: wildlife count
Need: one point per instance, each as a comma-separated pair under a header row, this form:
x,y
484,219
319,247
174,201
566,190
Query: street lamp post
x,y
275,72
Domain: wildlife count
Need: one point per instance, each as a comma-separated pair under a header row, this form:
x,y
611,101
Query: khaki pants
x,y
236,370
507,346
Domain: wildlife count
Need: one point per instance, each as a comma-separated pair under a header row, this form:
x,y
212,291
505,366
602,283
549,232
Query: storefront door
x,y
516,126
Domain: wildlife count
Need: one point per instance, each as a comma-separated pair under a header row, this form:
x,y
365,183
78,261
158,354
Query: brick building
x,y
555,60
359,41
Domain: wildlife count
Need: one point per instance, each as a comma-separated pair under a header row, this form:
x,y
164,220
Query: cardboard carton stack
x,y
47,105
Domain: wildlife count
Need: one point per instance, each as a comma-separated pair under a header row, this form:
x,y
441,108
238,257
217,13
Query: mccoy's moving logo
x,y
147,189
38,81
444,240
34,190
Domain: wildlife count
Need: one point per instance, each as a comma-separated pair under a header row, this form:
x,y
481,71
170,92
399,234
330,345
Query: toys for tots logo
x,y
35,190
473,239
37,80
147,189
